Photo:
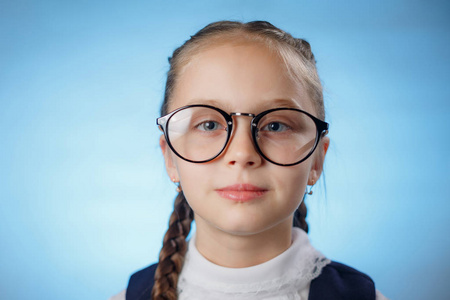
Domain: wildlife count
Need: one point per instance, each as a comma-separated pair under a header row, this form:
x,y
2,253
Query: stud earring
x,y
177,183
310,192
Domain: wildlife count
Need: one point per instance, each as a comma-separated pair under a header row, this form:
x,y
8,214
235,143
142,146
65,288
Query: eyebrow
x,y
276,103
212,102
269,104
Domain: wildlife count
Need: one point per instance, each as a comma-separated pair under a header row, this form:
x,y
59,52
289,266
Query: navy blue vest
x,y
336,282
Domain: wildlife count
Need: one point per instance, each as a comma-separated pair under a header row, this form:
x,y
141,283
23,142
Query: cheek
x,y
293,179
194,179
290,186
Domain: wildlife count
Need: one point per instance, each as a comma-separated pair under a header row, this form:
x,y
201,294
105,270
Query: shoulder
x,y
338,281
141,283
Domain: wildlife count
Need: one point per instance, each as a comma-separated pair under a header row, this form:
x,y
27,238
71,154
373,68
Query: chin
x,y
244,227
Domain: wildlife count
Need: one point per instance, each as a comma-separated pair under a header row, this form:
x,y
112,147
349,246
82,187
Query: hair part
x,y
300,64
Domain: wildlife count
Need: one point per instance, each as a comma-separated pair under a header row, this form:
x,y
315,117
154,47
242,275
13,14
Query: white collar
x,y
290,271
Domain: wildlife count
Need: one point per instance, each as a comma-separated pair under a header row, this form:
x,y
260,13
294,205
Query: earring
x,y
310,192
177,183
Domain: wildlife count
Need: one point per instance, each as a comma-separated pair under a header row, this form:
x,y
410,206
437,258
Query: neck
x,y
240,251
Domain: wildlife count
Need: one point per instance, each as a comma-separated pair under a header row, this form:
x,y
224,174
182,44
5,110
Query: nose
x,y
240,150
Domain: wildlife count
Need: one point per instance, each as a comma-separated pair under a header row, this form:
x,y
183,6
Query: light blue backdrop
x,y
84,196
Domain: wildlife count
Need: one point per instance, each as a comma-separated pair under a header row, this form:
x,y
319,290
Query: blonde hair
x,y
301,66
295,53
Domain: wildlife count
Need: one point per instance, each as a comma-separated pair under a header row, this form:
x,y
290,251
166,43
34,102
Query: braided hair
x,y
301,66
173,250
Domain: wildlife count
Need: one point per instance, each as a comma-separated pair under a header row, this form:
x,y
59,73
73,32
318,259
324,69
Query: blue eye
x,y
208,126
275,127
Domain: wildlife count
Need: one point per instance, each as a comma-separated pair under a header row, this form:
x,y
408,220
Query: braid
x,y
174,248
305,49
300,216
301,45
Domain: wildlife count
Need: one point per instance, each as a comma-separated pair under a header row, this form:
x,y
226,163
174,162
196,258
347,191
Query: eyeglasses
x,y
283,136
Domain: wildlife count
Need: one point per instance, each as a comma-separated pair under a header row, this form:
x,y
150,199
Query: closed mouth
x,y
241,192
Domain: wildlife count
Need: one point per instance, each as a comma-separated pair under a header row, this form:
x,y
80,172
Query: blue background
x,y
84,195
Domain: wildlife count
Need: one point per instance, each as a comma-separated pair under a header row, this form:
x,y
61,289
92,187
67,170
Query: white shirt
x,y
287,276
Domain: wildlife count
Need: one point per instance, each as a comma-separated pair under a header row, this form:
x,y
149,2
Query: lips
x,y
241,192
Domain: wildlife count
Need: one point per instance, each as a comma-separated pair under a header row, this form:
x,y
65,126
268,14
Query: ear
x,y
168,159
319,158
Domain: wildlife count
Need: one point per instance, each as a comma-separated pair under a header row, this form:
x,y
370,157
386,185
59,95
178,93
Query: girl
x,y
243,136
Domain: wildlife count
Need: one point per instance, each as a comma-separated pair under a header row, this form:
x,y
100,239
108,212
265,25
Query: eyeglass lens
x,y
286,136
200,134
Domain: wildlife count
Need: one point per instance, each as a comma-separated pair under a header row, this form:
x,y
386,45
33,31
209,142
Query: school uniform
x,y
301,272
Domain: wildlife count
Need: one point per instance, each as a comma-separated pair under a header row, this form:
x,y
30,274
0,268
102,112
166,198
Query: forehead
x,y
238,77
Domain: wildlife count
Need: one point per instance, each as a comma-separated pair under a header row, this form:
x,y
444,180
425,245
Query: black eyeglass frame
x,y
321,130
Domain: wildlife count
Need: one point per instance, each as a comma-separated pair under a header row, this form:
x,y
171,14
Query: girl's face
x,y
239,192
